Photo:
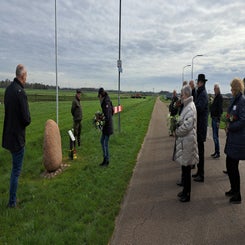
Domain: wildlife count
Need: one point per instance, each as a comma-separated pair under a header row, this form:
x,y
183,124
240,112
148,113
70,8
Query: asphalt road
x,y
151,213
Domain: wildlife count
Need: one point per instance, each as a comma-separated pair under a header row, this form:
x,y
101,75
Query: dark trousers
x,y
200,165
77,126
104,140
17,161
233,173
215,128
186,177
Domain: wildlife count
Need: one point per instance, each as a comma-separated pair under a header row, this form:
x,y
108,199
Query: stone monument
x,y
52,151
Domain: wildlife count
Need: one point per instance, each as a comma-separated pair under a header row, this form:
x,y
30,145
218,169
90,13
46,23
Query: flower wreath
x,y
231,118
99,120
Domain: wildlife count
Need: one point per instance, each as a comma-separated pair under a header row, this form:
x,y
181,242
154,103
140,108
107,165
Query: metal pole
x,y
119,65
192,64
183,77
56,69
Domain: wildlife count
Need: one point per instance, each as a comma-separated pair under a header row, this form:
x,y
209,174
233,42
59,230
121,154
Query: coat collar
x,y
18,82
200,89
188,100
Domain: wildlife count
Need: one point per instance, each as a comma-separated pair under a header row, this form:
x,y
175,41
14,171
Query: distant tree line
x,y
4,84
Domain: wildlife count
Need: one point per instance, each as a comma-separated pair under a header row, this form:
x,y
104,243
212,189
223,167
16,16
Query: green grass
x,y
80,205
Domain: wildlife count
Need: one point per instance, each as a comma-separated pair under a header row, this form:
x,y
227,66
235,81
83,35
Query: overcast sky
x,y
159,38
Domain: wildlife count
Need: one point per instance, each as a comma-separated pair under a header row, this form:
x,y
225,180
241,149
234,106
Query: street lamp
x,y
183,72
192,64
119,64
56,68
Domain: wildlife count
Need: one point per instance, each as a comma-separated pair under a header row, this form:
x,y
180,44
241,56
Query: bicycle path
x,y
151,213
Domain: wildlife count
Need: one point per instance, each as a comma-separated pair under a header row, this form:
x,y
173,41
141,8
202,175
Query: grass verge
x,y
80,205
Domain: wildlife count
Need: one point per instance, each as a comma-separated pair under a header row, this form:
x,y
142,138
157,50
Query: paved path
x,y
151,213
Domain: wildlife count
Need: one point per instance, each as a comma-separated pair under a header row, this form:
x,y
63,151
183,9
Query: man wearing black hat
x,y
201,103
76,111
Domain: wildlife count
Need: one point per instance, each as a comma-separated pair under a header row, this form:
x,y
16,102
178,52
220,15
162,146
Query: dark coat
x,y
201,103
76,110
194,94
173,109
107,109
216,108
235,140
17,117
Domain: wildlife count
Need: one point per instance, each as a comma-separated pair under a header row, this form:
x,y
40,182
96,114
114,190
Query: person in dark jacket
x,y
173,110
202,124
107,131
235,139
76,111
16,119
193,89
216,111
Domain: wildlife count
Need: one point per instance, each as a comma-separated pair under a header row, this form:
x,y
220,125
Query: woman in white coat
x,y
186,142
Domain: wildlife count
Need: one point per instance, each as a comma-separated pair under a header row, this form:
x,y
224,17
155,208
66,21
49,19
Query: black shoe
x,y
13,206
194,175
225,172
179,183
229,193
180,194
185,198
212,155
199,179
105,163
216,156
236,199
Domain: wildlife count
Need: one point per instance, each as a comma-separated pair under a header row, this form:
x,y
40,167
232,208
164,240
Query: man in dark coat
x,y
173,110
107,131
216,111
16,119
202,124
193,89
76,111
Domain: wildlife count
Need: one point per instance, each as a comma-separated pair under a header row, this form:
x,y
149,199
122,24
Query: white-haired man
x,y
216,111
16,119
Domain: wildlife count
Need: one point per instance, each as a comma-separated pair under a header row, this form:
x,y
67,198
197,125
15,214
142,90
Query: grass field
x,y
80,205
39,95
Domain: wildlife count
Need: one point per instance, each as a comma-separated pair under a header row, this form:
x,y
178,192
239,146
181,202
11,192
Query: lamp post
x,y
119,65
192,64
56,68
183,72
